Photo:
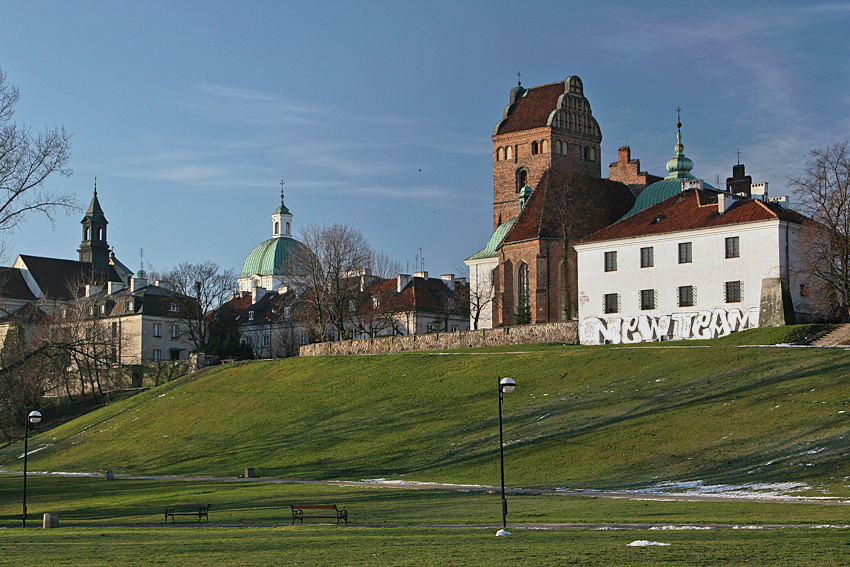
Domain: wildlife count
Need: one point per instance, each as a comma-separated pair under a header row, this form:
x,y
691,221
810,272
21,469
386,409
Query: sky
x,y
380,114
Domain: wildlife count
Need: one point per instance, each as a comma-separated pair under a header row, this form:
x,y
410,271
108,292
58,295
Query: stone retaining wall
x,y
523,334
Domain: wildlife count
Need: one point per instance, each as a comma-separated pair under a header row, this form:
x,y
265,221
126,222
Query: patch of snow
x,y
749,490
645,543
681,528
21,456
502,533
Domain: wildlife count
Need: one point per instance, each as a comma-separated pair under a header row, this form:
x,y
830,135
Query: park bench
x,y
199,510
298,512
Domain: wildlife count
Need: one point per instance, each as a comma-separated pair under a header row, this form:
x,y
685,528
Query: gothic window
x,y
500,154
544,147
521,179
533,148
523,286
509,153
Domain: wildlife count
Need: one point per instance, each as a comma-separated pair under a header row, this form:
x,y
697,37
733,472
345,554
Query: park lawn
x,y
398,547
87,501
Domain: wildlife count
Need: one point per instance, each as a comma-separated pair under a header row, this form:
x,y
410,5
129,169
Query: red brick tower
x,y
547,126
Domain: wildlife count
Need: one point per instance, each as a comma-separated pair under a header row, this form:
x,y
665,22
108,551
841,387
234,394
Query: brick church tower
x,y
546,126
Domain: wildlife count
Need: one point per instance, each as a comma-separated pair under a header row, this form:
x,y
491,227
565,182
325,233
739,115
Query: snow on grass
x,y
645,543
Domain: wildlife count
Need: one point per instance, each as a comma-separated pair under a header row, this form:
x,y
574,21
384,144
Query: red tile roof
x,y
691,210
602,201
533,109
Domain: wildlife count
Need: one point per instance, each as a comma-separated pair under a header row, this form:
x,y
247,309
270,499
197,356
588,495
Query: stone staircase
x,y
839,336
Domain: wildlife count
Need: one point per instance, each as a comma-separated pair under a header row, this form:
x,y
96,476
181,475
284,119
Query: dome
x,y
679,170
275,257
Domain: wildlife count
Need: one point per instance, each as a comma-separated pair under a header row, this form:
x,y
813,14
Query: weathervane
x,y
518,82
678,118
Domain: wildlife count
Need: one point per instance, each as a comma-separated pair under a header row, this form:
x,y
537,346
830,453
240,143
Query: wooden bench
x,y
298,512
199,510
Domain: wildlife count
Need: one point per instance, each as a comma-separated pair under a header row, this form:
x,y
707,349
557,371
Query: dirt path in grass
x,y
410,485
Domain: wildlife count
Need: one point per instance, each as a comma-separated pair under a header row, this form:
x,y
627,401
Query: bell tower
x,y
93,248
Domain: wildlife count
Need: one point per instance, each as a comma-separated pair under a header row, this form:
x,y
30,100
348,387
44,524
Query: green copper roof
x,y
275,257
491,250
679,170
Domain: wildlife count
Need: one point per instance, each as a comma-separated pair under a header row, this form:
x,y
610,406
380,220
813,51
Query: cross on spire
x,y
739,156
518,82
95,185
282,183
678,117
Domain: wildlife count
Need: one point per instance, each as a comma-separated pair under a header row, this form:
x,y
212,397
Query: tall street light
x,y
506,385
34,417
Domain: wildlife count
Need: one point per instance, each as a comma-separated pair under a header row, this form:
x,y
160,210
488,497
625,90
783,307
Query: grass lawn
x,y
93,547
95,501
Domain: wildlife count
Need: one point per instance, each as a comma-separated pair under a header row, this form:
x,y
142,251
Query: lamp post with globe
x,y
506,385
33,417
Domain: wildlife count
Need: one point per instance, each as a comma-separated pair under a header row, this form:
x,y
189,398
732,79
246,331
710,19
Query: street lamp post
x,y
34,417
506,385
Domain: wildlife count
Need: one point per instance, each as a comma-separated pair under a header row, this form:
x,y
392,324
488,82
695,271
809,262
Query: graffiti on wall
x,y
706,324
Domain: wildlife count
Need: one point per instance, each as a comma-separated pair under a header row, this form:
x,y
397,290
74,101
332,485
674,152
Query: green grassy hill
x,y
581,417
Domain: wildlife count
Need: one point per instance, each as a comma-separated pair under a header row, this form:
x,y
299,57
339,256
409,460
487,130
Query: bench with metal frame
x,y
199,510
298,512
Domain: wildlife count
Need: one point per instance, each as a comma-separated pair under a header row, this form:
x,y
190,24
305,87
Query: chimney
x,y
724,202
401,282
137,283
92,290
257,293
782,201
760,190
423,275
692,184
114,287
450,280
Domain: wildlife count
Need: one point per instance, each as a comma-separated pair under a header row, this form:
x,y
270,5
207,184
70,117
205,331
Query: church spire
x,y
282,219
680,166
93,248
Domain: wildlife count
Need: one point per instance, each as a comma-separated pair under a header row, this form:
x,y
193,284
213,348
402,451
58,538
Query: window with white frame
x,y
157,355
733,247
173,308
175,331
685,253
647,257
157,329
610,261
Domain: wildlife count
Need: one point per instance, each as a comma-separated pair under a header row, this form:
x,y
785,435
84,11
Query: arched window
x,y
521,179
533,148
509,152
276,228
544,147
86,233
522,314
500,154
287,228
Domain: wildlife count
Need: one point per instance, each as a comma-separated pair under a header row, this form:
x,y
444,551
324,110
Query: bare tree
x,y
26,161
824,193
574,212
335,257
204,287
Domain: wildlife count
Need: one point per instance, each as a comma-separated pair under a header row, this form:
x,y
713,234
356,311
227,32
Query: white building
x,y
699,264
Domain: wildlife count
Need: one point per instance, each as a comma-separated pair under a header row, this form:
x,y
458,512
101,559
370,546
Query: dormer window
x,y
250,315
173,308
129,307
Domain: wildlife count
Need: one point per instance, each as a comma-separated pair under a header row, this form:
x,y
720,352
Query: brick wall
x,y
525,334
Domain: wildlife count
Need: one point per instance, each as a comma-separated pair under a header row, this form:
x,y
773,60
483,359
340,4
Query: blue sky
x,y
190,113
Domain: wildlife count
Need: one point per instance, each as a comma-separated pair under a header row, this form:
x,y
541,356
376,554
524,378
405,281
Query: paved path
x,y
626,495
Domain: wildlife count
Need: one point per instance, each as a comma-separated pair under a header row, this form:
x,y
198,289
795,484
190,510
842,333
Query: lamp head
x,y
507,385
34,417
